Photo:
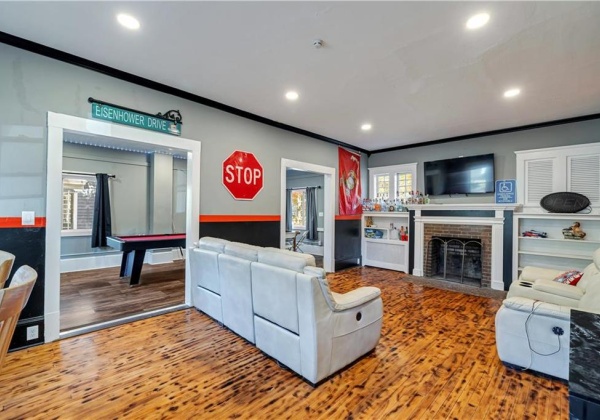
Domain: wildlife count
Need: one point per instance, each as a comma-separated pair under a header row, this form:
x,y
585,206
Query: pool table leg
x,y
131,265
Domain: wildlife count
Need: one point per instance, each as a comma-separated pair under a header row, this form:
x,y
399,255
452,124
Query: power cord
x,y
558,331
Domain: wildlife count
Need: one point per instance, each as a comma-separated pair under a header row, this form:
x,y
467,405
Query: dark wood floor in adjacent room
x,y
436,360
94,296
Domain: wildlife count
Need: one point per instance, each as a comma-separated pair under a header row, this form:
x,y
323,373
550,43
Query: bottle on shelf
x,y
394,232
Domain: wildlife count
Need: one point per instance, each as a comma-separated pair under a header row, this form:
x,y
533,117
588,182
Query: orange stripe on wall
x,y
15,222
238,218
349,217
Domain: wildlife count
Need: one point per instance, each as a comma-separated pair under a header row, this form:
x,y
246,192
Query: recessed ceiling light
x,y
511,93
291,95
128,21
477,21
366,127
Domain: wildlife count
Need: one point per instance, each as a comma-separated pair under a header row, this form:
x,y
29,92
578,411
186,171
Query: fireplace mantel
x,y
495,220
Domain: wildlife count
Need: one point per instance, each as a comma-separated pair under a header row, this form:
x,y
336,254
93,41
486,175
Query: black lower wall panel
x,y
347,244
28,245
253,233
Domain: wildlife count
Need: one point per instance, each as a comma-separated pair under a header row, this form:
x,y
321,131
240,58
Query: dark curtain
x,y
311,212
102,223
288,210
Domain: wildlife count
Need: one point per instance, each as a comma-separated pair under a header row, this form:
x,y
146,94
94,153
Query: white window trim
x,y
392,170
75,232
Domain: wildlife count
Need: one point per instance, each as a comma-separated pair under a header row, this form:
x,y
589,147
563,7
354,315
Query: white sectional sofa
x,y
533,325
281,302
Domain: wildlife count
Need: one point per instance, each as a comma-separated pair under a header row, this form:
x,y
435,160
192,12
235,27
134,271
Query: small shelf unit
x,y
554,251
383,251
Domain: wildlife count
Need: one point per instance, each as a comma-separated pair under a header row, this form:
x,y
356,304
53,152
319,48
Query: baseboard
x,y
94,262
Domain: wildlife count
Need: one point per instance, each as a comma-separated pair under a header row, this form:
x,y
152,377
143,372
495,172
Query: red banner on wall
x,y
349,167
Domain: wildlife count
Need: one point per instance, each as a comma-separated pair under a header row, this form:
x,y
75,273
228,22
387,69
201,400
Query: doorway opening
x,y
308,211
75,144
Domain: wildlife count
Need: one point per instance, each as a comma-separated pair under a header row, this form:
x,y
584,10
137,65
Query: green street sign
x,y
135,119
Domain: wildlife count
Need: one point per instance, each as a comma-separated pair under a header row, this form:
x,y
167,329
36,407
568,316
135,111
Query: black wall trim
x,y
36,48
253,233
28,246
492,133
507,264
459,213
347,243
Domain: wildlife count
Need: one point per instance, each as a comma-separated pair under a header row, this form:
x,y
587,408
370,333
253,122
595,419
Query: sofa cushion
x,y
289,260
317,272
570,277
537,307
274,295
310,259
212,244
240,250
560,289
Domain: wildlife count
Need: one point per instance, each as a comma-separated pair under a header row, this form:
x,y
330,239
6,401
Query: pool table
x,y
134,249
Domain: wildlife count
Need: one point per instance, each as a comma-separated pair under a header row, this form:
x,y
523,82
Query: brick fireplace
x,y
481,222
444,233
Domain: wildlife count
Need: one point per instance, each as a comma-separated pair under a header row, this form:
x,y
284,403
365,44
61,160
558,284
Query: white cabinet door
x,y
539,179
583,176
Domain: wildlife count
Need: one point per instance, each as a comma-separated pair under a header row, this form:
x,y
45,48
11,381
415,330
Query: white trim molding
x,y
496,222
329,185
57,124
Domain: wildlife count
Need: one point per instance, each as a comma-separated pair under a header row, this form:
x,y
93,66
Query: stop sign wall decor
x,y
243,175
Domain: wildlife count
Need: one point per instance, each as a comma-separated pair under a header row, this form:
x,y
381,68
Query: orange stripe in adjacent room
x,y
349,217
238,218
15,222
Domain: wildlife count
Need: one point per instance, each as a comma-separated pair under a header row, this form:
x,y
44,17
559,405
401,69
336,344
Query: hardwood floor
x,y
94,296
436,360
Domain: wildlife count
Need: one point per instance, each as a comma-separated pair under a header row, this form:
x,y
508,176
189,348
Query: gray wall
x,y
503,146
129,191
31,85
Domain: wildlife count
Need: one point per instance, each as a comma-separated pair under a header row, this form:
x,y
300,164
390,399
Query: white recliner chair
x,y
533,325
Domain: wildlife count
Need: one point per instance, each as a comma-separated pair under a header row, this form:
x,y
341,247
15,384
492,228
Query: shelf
x,y
549,254
387,241
376,228
581,241
386,214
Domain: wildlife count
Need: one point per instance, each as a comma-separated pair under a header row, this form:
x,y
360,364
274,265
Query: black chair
x,y
300,240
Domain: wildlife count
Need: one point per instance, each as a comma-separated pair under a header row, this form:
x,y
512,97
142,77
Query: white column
x,y
418,250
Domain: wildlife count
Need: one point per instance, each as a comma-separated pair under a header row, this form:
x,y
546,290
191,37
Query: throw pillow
x,y
571,277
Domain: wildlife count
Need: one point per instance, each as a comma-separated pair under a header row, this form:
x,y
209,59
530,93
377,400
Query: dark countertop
x,y
584,366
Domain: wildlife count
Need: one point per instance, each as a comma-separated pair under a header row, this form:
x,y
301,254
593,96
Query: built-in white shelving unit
x,y
383,251
554,251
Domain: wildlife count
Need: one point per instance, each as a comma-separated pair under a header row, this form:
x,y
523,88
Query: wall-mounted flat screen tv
x,y
464,175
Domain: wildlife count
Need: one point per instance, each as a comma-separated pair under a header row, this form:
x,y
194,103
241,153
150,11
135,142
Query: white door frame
x,y
328,210
57,123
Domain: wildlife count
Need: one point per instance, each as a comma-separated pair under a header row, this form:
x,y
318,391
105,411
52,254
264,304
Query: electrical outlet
x,y
27,218
32,332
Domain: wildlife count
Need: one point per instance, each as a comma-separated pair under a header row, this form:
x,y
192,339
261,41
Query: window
x,y
78,196
392,181
299,209
382,183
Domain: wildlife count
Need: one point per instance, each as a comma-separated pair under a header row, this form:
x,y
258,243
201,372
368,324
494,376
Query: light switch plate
x,y
320,214
28,218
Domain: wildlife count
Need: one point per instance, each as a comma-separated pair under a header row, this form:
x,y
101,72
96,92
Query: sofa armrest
x,y
556,288
354,298
538,307
531,273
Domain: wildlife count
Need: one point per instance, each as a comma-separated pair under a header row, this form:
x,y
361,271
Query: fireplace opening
x,y
454,259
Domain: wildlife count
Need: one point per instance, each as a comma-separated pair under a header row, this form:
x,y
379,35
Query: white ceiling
x,y
411,69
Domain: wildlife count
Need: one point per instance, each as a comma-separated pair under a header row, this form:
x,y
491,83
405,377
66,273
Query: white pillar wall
x,y
161,193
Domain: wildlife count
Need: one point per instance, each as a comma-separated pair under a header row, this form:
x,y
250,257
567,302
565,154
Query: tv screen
x,y
465,175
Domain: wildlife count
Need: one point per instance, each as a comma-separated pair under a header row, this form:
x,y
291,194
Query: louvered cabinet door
x,y
541,178
583,176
